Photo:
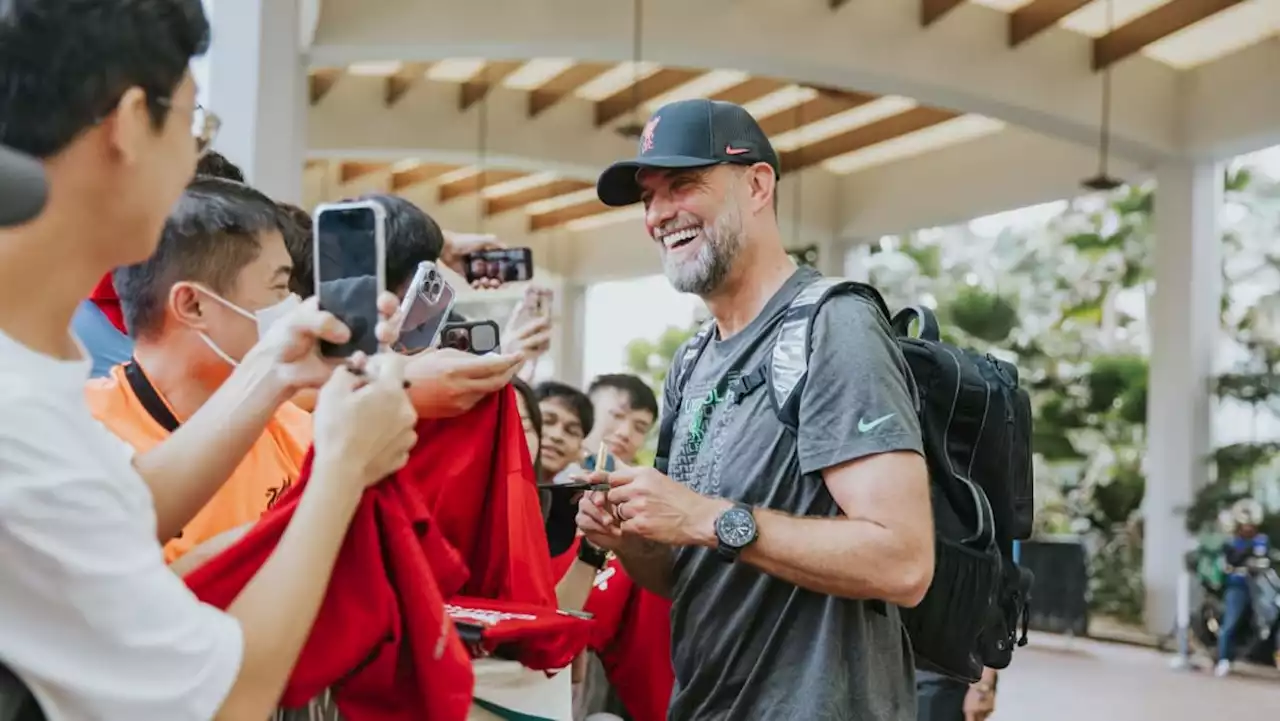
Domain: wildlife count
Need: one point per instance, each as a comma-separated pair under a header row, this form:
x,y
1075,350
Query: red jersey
x,y
462,517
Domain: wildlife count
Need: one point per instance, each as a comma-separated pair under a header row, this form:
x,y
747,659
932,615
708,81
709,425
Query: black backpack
x,y
976,425
16,701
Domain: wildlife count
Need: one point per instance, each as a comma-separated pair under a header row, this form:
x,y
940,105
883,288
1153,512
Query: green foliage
x,y
985,316
651,359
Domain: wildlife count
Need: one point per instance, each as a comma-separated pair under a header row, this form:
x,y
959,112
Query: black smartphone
x,y
505,265
350,270
477,336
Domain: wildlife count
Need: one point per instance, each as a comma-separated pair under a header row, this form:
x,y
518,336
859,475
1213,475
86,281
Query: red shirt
x,y
632,637
462,517
104,296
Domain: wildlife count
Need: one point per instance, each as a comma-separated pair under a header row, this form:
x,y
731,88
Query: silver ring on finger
x,y
617,512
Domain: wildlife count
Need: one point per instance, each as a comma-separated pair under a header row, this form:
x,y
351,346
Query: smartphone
x,y
505,265
350,242
478,336
425,309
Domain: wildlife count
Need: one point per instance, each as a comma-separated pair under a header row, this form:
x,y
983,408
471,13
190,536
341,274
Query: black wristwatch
x,y
595,557
735,530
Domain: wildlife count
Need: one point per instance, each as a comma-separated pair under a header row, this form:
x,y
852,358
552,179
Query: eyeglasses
x,y
204,124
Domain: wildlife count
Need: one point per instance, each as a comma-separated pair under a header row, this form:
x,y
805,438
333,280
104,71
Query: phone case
x,y
425,309
342,296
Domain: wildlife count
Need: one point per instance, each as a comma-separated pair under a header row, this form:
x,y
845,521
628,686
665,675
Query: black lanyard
x,y
149,397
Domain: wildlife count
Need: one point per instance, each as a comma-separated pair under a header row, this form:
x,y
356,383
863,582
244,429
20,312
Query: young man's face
x,y
561,435
619,426
155,166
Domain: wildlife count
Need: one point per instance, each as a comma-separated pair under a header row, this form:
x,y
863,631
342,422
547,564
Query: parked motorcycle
x,y
1253,642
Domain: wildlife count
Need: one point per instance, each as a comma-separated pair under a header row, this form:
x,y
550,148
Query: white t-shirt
x,y
91,619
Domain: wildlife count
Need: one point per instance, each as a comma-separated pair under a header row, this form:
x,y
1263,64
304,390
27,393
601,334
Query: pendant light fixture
x,y
1104,181
633,128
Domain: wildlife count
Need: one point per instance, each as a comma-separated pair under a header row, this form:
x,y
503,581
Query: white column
x,y
258,87
569,336
1185,330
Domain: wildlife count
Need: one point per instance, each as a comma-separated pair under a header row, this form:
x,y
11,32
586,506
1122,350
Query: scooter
x,y
1254,635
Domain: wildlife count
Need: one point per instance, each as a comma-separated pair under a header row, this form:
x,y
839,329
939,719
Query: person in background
x,y
215,285
99,320
942,698
94,622
530,421
566,420
298,239
625,410
1245,552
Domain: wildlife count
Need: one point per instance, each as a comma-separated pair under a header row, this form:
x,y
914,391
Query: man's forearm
x,y
190,466
278,606
650,565
845,557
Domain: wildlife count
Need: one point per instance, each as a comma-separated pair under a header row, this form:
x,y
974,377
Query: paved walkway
x,y
1060,679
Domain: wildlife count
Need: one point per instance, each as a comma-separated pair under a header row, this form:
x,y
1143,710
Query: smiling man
x,y
785,552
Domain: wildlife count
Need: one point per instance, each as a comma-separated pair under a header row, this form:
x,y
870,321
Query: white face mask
x,y
266,318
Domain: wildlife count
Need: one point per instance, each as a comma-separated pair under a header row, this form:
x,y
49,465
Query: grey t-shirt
x,y
748,646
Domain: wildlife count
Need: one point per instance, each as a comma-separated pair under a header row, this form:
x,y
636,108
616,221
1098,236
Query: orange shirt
x,y
272,464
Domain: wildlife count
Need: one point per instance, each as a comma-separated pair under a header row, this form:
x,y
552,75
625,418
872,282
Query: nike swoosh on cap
x,y
730,150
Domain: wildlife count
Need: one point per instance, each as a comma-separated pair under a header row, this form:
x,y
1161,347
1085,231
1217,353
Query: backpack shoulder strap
x,y
789,361
679,375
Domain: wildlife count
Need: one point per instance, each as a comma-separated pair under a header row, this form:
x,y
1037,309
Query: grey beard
x,y
704,274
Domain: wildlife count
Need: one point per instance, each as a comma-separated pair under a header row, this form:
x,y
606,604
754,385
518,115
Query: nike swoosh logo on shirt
x,y
730,150
864,425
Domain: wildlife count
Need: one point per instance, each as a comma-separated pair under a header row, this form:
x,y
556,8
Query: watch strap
x,y
591,555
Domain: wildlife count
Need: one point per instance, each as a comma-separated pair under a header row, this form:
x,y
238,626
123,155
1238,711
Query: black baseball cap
x,y
689,134
23,187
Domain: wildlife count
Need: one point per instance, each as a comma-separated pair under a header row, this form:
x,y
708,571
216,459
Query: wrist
x,y
258,369
704,530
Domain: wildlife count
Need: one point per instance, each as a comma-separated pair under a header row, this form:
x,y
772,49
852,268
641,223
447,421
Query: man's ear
x,y
763,186
186,305
130,125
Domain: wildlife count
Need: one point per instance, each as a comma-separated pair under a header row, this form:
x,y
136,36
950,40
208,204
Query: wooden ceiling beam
x,y
836,4
349,170
748,90
320,82
492,75
560,216
561,86
399,82
931,11
554,189
475,183
864,137
1037,16
826,104
418,174
631,97
1156,25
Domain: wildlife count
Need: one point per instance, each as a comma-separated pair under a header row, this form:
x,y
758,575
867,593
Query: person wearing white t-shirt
x,y
91,620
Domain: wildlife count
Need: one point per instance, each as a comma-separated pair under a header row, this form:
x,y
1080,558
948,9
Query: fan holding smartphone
x,y
528,331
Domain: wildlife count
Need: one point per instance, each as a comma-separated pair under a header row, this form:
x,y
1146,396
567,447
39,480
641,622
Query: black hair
x,y
412,238
215,165
574,399
297,227
639,395
211,235
64,64
535,417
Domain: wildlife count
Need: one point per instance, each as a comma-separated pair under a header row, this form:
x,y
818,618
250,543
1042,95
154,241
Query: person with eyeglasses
x,y
91,619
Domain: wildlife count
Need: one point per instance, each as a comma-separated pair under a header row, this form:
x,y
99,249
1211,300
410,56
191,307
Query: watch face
x,y
736,528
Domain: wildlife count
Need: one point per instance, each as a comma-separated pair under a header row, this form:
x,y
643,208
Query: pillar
x,y
258,87
569,337
1185,330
